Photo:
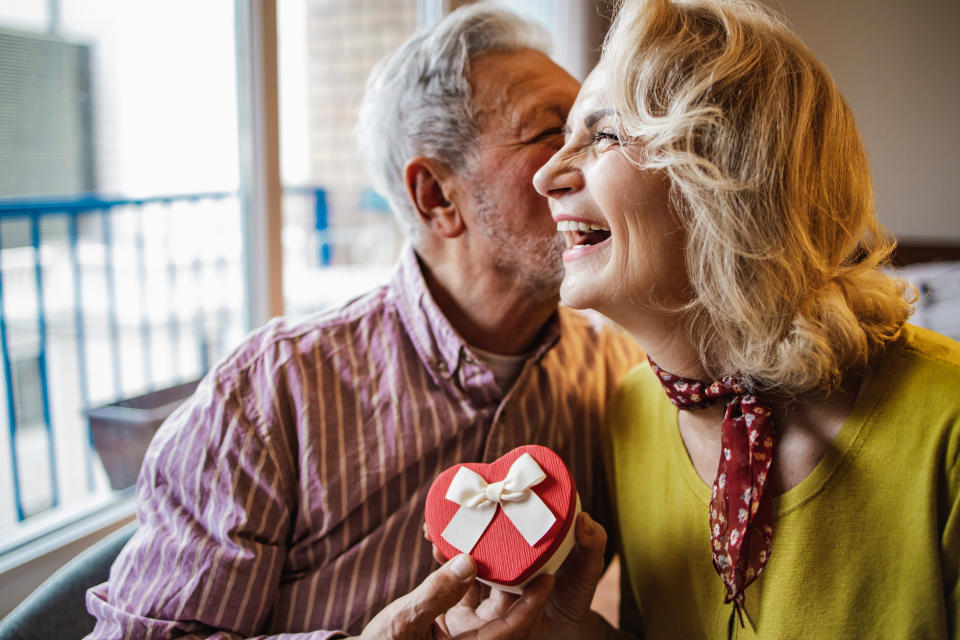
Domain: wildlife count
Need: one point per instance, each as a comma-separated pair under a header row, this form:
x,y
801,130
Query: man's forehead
x,y
520,85
552,111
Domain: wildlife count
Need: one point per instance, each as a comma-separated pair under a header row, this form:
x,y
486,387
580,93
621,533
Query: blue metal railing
x,y
33,210
99,231
321,220
11,405
82,203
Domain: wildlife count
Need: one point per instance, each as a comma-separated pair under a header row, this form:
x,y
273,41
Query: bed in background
x,y
935,271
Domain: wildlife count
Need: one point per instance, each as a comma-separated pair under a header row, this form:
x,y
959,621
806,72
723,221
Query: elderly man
x,y
287,495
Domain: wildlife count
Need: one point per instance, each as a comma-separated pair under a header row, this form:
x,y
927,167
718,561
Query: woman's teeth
x,y
573,225
582,234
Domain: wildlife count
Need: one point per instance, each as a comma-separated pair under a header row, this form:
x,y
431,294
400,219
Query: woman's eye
x,y
606,135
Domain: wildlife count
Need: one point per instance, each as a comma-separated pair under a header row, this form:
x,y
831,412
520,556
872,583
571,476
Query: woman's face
x,y
624,242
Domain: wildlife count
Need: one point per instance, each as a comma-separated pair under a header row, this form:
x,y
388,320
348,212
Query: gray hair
x,y
417,99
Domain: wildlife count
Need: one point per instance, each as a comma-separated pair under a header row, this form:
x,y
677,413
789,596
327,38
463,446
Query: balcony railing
x,y
102,299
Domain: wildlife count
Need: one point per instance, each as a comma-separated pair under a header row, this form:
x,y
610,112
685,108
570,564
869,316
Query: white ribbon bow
x,y
478,504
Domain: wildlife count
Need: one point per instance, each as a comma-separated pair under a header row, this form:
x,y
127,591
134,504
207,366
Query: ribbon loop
x,y
478,502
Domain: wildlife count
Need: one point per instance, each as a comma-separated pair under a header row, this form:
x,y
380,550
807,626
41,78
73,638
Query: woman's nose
x,y
557,177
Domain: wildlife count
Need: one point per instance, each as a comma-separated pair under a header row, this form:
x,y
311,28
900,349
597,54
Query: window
x,y
29,394
120,227
121,217
341,239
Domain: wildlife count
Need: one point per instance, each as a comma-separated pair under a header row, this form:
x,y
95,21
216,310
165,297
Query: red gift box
x,y
509,553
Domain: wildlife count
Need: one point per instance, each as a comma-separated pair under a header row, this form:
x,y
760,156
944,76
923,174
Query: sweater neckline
x,y
844,444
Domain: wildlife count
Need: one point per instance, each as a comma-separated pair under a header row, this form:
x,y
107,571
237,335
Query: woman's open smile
x,y
624,245
583,237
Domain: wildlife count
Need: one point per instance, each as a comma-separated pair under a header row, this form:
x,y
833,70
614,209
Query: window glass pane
x,y
339,238
28,395
120,269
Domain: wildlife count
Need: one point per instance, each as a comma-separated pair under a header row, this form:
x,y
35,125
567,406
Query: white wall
x,y
576,27
896,62
576,30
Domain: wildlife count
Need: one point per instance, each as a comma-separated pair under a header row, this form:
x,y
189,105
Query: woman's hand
x,y
566,611
491,614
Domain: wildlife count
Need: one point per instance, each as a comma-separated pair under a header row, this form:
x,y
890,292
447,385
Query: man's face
x,y
522,100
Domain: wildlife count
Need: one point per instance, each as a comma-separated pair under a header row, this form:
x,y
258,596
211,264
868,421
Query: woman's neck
x,y
667,341
804,430
804,427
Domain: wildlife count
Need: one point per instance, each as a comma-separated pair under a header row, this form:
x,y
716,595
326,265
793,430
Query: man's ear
x,y
427,181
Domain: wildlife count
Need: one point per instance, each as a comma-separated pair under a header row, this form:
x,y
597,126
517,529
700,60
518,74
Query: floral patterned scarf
x,y
741,523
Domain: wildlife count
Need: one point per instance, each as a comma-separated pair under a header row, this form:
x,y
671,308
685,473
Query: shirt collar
x,y
433,336
440,346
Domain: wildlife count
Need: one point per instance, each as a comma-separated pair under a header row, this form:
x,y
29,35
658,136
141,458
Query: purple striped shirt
x,y
286,496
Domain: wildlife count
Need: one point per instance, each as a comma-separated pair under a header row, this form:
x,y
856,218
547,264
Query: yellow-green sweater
x,y
867,546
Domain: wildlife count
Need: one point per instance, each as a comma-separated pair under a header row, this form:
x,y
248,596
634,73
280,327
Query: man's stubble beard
x,y
534,262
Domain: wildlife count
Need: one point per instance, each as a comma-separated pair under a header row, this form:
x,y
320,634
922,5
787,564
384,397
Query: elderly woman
x,y
788,465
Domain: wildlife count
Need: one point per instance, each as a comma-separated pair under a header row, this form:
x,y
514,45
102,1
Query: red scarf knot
x,y
741,522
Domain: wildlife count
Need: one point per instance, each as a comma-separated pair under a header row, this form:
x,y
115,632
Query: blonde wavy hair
x,y
771,183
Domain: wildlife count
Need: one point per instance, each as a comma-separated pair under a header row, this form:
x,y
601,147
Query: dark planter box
x,y
122,431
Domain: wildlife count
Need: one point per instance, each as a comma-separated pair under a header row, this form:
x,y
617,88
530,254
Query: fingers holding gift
x,y
524,614
411,617
591,543
495,604
518,622
578,577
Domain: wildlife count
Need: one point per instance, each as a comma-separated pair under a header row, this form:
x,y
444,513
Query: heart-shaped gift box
x,y
496,513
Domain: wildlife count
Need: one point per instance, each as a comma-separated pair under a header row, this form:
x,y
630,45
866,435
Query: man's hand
x,y
413,617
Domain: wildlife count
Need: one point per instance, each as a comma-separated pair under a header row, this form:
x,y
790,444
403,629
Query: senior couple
x,y
784,462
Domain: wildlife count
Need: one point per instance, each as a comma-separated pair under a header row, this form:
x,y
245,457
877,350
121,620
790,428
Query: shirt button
x,y
442,366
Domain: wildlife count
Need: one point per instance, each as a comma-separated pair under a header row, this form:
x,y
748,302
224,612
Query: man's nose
x,y
556,177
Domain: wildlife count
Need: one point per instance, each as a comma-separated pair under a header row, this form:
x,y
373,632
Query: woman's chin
x,y
579,292
583,283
